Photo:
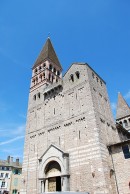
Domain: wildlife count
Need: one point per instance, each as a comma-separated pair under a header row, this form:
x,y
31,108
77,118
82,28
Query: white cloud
x,y
12,140
113,106
127,95
11,130
20,130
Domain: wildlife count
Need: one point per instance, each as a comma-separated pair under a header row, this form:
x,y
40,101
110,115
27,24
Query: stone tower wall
x,y
76,117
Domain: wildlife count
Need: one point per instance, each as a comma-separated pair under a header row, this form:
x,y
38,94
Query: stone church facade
x,y
72,142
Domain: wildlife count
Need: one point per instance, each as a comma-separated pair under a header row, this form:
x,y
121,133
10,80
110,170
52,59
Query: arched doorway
x,y
53,175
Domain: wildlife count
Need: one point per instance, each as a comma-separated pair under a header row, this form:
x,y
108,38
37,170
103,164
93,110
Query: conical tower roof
x,y
123,109
47,52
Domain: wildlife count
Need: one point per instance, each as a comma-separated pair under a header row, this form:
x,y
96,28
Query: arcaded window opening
x,y
44,65
50,67
120,122
54,70
33,81
125,123
35,71
36,79
44,75
58,73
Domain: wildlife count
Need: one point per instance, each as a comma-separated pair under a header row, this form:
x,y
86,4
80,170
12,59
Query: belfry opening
x,y
53,176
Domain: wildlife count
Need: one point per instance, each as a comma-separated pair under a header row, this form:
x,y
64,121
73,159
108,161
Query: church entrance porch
x,y
53,177
54,170
54,184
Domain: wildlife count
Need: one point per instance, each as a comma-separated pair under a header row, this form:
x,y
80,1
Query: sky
x,y
92,31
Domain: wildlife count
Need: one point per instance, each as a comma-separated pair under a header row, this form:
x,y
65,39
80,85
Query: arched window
x,y
50,67
120,122
49,77
72,77
40,76
33,81
54,70
40,68
35,71
44,65
125,123
34,97
43,75
58,73
77,74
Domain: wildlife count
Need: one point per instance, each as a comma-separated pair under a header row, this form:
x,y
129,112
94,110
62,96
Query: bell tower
x,y
47,68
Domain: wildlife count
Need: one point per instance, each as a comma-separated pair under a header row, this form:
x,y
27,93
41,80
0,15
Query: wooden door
x,y
52,184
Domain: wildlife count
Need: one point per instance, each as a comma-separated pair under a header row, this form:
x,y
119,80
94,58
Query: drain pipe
x,y
110,151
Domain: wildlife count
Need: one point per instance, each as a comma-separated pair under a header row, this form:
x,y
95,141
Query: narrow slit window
x,y
34,97
93,75
52,79
77,75
39,95
49,77
79,134
54,111
72,78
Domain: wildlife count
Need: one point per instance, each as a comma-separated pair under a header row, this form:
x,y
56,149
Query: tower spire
x,y
123,109
47,52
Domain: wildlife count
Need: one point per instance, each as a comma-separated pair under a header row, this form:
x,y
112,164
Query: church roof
x,y
47,52
123,108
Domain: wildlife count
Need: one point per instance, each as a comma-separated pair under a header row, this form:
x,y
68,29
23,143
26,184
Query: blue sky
x,y
92,31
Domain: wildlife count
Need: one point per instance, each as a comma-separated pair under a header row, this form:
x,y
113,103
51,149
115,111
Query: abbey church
x,y
72,141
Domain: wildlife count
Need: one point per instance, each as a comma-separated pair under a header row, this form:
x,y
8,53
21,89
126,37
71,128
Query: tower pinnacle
x,y
123,109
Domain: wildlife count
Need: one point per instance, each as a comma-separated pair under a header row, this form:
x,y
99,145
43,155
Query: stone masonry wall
x,y
76,118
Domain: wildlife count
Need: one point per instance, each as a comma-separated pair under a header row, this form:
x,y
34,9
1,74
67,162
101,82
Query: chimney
x,y
11,160
17,161
8,159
